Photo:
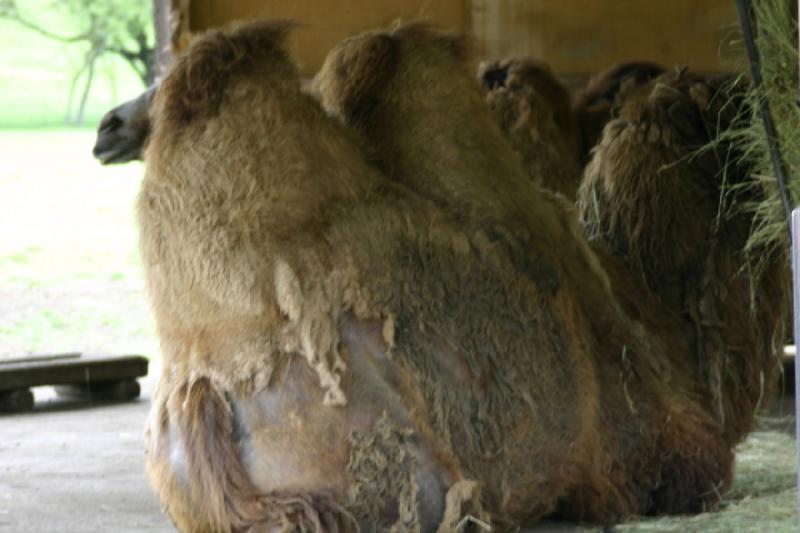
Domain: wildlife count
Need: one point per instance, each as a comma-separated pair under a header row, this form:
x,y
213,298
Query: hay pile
x,y
776,40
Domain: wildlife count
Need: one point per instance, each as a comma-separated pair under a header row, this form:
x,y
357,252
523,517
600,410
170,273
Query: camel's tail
x,y
203,482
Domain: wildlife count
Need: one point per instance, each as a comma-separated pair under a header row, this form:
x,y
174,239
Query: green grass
x,y
70,277
60,208
69,273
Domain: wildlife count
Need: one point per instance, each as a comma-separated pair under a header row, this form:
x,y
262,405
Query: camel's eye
x,y
110,123
495,77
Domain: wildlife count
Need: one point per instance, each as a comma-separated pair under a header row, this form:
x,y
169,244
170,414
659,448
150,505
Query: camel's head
x,y
400,67
123,131
605,91
526,89
603,88
658,189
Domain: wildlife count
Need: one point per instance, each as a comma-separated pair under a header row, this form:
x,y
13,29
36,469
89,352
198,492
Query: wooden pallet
x,y
74,375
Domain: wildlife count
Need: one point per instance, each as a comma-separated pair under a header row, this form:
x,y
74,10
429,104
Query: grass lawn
x,y
36,73
69,273
70,278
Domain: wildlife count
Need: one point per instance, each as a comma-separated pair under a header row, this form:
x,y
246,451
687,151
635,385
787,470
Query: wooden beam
x,y
324,23
82,370
575,36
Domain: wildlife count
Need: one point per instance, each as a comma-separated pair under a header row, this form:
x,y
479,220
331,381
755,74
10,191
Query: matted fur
x,y
604,92
535,113
317,318
342,352
659,195
657,448
423,113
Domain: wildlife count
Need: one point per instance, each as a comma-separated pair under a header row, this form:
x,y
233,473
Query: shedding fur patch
x,y
311,331
388,331
208,489
384,475
463,509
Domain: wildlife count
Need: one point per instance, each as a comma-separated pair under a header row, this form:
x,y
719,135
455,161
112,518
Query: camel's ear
x,y
458,44
195,85
353,73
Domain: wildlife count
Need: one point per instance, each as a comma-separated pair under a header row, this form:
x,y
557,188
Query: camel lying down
x,y
345,348
337,353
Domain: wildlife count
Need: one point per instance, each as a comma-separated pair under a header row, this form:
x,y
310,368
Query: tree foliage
x,y
122,28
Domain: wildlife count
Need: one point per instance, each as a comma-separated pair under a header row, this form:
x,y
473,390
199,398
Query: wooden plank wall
x,y
577,37
580,36
326,22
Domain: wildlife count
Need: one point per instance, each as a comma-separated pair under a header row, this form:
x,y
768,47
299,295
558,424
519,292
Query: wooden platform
x,y
73,375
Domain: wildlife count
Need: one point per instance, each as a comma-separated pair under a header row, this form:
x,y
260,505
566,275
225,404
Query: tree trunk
x,y
93,55
72,85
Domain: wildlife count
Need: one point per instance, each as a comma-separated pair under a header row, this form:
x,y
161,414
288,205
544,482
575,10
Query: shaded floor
x,y
77,470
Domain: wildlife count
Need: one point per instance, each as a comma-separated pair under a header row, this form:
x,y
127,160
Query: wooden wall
x,y
577,37
326,22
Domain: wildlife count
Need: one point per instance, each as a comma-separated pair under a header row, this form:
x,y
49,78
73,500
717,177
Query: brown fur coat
x,y
658,449
668,204
603,94
534,111
338,352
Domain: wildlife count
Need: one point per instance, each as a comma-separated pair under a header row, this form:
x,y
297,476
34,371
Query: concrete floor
x,y
72,467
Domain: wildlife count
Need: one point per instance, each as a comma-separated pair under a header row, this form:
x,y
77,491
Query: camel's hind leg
x,y
194,464
279,458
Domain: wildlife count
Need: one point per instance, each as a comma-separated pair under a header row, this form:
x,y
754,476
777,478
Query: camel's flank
x,y
339,350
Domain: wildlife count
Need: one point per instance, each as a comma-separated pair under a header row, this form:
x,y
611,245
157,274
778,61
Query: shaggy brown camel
x,y
665,200
410,93
535,113
338,351
603,93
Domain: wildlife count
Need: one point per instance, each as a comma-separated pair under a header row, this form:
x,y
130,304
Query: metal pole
x,y
749,28
795,251
796,308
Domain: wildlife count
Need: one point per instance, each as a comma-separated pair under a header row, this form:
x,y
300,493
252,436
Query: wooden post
x,y
16,401
163,39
